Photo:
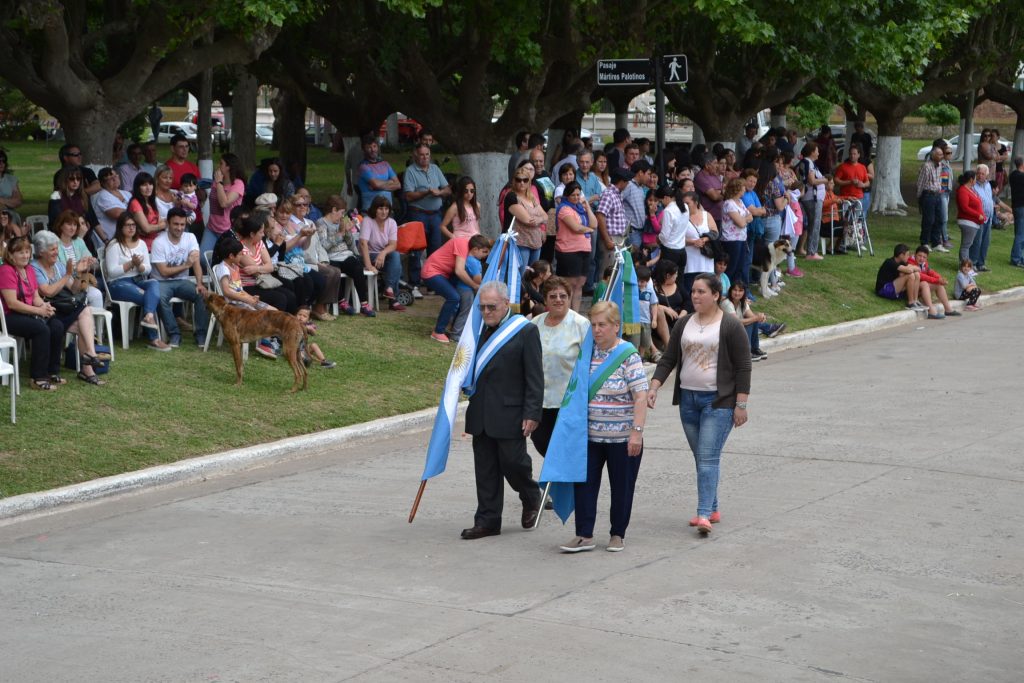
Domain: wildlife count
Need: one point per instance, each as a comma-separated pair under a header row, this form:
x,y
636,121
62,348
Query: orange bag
x,y
412,236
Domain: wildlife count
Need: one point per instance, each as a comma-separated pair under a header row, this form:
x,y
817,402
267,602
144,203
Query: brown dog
x,y
245,325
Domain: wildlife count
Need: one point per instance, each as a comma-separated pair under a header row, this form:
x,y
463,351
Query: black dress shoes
x,y
480,532
530,516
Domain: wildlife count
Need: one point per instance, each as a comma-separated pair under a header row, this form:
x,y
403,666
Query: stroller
x,y
855,232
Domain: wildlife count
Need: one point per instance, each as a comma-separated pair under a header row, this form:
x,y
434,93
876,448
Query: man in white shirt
x,y
176,252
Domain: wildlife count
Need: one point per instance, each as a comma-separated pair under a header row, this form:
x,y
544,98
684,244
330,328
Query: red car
x,y
408,129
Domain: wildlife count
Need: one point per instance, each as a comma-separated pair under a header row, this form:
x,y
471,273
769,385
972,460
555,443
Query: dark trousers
x,y
494,459
541,436
622,473
282,298
676,256
737,251
931,218
47,337
353,269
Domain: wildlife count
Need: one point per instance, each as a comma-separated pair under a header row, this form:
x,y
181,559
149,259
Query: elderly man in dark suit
x,y
504,409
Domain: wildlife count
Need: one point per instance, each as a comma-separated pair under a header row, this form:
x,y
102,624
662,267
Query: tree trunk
x,y
353,155
205,117
489,170
243,118
556,131
392,139
852,117
93,131
290,133
1018,140
886,195
778,117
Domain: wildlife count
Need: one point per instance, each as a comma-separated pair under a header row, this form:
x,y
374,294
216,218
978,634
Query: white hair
x,y
981,166
496,286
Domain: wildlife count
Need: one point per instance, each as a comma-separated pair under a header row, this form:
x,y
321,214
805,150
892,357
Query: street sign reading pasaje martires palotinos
x,y
625,72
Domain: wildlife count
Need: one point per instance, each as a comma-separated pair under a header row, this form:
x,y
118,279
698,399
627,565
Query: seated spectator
x,y
721,265
287,240
831,217
257,263
314,214
337,237
446,266
110,202
144,210
70,156
128,267
75,317
966,288
736,304
325,277
10,192
671,302
378,241
175,255
74,251
227,267
29,316
897,279
269,177
532,301
9,229
932,281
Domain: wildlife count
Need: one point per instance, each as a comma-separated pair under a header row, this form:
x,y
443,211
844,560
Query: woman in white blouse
x,y
127,265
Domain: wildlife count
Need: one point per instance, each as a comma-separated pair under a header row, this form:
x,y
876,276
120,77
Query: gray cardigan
x,y
733,361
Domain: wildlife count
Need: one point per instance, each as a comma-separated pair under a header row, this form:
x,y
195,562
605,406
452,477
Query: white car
x,y
954,142
264,134
172,128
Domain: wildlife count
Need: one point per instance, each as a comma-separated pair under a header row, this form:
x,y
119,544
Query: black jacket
x,y
510,389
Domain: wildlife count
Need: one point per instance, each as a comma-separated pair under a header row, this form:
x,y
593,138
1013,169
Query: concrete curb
x,y
199,468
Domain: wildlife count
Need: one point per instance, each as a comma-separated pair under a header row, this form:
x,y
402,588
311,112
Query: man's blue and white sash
x,y
505,332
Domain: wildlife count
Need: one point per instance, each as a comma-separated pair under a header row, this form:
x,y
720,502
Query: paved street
x,y
872,531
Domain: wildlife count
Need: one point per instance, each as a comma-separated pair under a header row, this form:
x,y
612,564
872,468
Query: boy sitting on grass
x,y
897,279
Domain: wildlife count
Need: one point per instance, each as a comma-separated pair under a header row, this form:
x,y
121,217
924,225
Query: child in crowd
x,y
644,340
754,323
534,276
601,287
934,282
652,222
475,270
966,289
187,194
721,264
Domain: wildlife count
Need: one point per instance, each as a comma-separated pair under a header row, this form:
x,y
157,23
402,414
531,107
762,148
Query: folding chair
x,y
37,223
207,256
13,345
124,309
7,370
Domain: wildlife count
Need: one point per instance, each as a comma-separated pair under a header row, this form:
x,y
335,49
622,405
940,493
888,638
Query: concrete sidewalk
x,y
871,514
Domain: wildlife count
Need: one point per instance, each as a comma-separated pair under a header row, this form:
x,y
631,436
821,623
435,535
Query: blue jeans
x,y
432,230
622,473
392,269
772,228
146,295
443,286
209,241
931,207
527,257
979,249
737,251
943,214
706,430
1017,250
186,290
594,265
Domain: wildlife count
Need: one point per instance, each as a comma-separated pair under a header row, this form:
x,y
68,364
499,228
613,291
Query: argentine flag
x,y
503,265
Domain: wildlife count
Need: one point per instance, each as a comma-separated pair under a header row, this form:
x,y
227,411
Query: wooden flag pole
x,y
543,502
416,503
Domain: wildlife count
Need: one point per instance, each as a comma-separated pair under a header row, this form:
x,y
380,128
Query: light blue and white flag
x,y
460,373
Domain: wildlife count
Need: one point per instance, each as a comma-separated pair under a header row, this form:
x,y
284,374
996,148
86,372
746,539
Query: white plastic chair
x,y
10,344
6,369
124,308
207,257
37,223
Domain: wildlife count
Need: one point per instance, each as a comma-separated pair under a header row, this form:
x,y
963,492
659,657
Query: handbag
x,y
267,281
289,271
66,302
711,249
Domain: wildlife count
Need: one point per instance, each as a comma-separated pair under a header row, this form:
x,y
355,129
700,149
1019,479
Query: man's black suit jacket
x,y
510,388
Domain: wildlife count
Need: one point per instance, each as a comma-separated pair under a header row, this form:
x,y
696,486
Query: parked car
x,y
172,128
408,129
954,142
264,134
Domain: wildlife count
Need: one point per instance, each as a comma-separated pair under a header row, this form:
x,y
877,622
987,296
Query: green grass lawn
x,y
158,408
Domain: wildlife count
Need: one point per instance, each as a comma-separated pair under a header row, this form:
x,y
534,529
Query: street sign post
x,y
625,72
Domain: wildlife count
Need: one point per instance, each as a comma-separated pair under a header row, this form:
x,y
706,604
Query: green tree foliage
x,y
938,114
810,112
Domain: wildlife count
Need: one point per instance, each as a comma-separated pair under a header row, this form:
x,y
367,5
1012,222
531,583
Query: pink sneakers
x,y
795,272
715,518
440,337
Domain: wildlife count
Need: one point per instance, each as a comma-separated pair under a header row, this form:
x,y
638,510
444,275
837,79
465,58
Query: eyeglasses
x,y
74,154
300,205
558,295
522,180
484,308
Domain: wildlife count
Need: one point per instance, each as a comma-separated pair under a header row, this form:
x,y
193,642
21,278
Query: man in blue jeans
x,y
1017,202
174,254
929,190
425,187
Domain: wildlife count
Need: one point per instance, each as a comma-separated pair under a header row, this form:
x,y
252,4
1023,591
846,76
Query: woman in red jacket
x,y
970,214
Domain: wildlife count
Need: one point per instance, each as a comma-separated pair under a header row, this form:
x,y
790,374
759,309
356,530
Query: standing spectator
x,y
990,204
574,149
378,239
425,188
970,213
464,214
709,187
174,256
929,187
735,218
811,200
228,190
576,221
110,202
852,178
156,115
132,167
710,353
149,162
743,143
1016,180
376,177
827,149
601,168
519,153
863,138
946,185
675,219
617,154
70,155
592,186
634,202
10,193
1002,156
29,316
531,219
772,193
611,216
179,162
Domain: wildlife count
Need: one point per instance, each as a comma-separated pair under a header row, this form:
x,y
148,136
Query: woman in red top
x,y
970,214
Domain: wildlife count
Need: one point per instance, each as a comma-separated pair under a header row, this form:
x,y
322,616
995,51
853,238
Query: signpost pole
x,y
659,120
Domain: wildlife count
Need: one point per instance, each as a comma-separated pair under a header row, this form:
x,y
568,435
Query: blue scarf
x,y
578,208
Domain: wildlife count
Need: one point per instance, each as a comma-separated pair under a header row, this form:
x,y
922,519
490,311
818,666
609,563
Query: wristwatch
x,y
741,404
638,428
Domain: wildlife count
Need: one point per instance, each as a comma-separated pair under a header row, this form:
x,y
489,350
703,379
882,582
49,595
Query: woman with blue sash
x,y
615,422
